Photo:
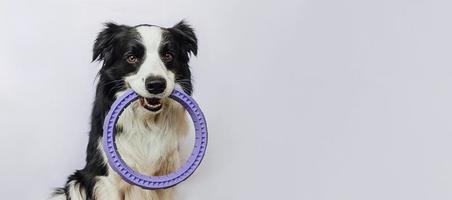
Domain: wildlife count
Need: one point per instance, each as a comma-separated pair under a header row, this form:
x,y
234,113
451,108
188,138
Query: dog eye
x,y
132,59
167,57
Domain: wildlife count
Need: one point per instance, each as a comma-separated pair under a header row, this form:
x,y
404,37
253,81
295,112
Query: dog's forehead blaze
x,y
151,37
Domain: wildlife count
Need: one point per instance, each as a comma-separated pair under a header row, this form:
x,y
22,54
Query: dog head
x,y
149,59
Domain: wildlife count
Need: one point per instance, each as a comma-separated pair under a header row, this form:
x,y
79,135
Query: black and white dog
x,y
151,60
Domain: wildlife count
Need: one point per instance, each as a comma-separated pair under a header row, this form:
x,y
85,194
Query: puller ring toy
x,y
155,182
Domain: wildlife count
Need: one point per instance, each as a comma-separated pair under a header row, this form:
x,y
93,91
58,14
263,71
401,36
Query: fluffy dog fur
x,y
147,140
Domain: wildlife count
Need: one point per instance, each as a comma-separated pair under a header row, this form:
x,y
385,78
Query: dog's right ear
x,y
103,46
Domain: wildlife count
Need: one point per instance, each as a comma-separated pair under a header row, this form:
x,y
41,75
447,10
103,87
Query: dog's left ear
x,y
103,46
186,35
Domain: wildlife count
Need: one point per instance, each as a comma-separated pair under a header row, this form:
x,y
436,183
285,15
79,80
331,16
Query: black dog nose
x,y
155,85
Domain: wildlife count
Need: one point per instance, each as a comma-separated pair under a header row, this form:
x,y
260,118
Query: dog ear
x,y
103,46
186,35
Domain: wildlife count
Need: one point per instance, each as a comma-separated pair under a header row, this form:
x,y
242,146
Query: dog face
x,y
149,59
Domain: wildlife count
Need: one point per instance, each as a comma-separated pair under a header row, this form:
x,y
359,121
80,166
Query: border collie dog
x,y
151,60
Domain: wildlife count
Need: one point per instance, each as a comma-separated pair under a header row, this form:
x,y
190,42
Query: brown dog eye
x,y
167,57
132,59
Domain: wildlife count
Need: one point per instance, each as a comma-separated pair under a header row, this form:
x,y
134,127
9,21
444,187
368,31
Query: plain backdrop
x,y
308,99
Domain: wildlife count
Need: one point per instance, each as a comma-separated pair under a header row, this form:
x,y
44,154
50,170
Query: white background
x,y
309,99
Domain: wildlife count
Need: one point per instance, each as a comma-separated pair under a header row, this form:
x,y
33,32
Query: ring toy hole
x,y
155,182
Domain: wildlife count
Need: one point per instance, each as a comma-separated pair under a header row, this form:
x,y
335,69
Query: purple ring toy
x,y
155,182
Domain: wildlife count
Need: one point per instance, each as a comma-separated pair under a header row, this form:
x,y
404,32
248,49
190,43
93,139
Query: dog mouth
x,y
151,104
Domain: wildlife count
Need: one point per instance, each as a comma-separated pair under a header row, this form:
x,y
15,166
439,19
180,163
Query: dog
x,y
152,61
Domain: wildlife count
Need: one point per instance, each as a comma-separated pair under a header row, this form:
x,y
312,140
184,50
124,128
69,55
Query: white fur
x,y
151,36
74,191
146,139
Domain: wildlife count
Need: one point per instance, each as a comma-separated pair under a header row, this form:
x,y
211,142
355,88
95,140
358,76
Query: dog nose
x,y
155,85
